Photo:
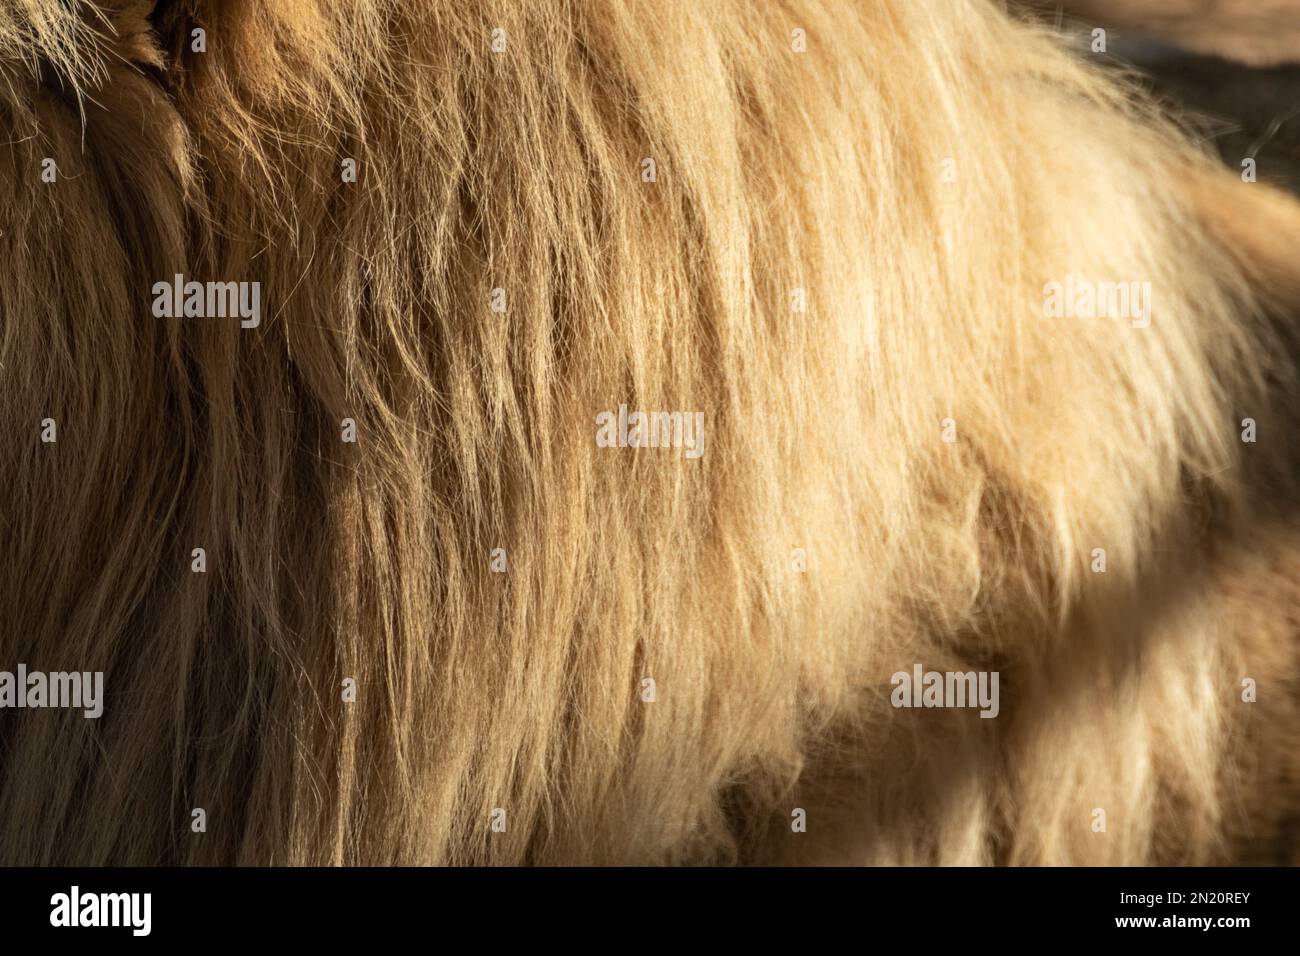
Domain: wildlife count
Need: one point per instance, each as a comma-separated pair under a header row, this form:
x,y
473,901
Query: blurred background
x,y
1231,67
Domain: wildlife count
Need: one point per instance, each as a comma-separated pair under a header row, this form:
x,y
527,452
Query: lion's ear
x,y
1257,227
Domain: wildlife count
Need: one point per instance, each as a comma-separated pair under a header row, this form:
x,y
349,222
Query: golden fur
x,y
776,171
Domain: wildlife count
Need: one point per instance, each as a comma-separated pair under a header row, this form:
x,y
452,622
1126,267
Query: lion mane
x,y
468,633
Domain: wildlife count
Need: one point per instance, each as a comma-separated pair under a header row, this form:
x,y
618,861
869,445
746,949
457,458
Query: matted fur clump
x,y
840,258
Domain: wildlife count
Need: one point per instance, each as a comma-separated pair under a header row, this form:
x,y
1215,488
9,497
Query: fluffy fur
x,y
776,171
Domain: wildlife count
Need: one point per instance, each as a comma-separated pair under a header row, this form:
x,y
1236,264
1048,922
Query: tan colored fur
x,y
777,171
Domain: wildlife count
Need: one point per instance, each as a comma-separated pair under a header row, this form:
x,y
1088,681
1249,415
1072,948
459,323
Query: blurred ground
x,y
1230,66
1259,32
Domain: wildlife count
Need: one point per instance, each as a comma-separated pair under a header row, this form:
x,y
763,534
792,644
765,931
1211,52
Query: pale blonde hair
x,y
776,170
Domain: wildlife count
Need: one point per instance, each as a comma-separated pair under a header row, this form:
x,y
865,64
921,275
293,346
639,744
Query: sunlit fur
x,y
776,171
